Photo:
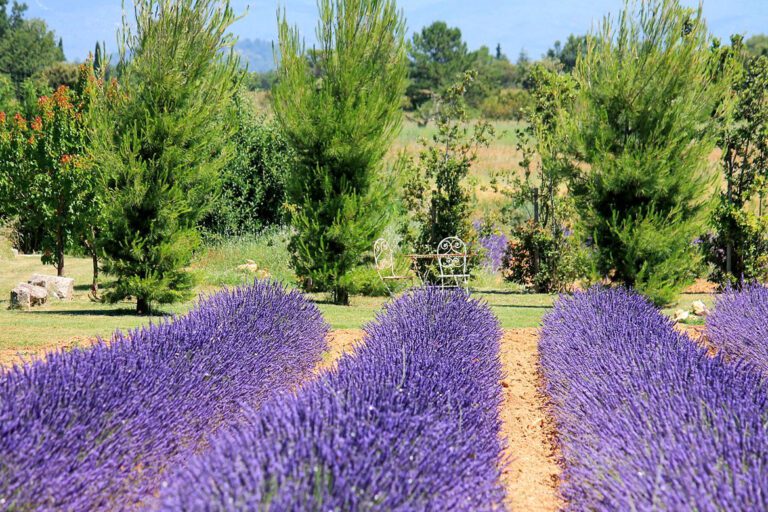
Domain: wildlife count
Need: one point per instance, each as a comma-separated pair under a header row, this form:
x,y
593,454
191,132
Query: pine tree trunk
x,y
341,296
142,306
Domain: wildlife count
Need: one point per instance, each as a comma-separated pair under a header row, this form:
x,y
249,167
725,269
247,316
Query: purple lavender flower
x,y
95,429
494,245
738,326
409,422
646,419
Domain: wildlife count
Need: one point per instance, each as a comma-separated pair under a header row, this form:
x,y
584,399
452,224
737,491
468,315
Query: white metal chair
x,y
385,264
452,263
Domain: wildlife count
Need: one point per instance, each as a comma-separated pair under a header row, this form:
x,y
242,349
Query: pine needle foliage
x,y
164,136
339,106
642,136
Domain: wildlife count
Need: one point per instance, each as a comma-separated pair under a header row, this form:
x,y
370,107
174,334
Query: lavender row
x,y
647,421
409,422
738,326
94,429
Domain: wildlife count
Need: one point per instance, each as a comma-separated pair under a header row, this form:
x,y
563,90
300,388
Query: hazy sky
x,y
516,24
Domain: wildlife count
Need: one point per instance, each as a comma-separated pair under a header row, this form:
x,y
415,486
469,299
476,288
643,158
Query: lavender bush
x,y
94,429
409,422
647,421
738,326
494,245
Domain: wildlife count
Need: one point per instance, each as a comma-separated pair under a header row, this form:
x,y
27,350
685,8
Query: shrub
x,y
507,104
364,280
543,261
745,234
738,326
646,420
408,422
252,184
641,140
94,429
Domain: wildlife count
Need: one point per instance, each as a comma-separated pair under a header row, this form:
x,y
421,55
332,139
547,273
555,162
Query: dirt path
x,y
340,342
532,474
9,357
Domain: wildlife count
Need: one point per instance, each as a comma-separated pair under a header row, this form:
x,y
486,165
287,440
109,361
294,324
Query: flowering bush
x,y
47,178
647,421
409,422
94,429
493,244
738,326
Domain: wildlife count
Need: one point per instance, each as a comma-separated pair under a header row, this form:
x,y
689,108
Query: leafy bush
x,y
643,413
543,261
738,326
410,421
252,184
507,104
747,236
364,280
94,429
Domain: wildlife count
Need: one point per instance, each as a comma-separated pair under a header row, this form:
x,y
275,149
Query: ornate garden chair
x,y
452,263
385,264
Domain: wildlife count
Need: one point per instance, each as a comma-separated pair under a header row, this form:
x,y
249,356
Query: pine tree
x,y
339,106
162,141
97,64
642,133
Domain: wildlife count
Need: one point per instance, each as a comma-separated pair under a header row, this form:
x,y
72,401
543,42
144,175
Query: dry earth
x,y
532,473
10,357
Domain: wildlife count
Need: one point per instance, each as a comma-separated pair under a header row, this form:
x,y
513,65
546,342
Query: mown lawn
x,y
70,324
73,323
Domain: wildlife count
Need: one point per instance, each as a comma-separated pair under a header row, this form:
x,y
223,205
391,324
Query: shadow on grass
x,y
99,312
520,306
482,291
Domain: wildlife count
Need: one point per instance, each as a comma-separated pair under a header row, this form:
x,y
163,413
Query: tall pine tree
x,y
162,141
339,106
642,134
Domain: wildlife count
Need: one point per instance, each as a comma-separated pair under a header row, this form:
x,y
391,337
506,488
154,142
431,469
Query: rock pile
x,y
39,288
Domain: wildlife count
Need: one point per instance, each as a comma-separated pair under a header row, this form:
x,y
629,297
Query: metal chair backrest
x,y
383,257
452,262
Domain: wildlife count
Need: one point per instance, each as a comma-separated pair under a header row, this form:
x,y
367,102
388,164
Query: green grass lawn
x,y
74,323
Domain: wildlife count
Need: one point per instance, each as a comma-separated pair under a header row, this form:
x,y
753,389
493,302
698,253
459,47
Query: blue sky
x,y
516,24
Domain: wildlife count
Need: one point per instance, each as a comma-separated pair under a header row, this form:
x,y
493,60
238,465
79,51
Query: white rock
x,y
15,253
26,295
680,315
62,288
699,308
249,267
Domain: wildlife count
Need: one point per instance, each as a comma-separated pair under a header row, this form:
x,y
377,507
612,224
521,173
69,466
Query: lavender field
x,y
220,410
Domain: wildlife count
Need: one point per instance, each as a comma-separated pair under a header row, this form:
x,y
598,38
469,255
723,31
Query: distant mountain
x,y
256,53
